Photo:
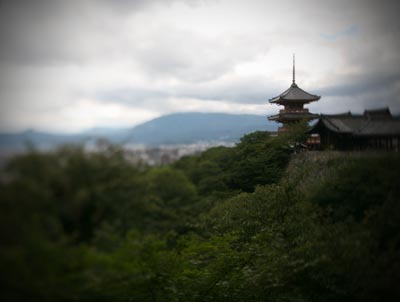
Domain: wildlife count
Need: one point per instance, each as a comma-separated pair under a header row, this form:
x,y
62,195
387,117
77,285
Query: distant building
x,y
293,100
374,130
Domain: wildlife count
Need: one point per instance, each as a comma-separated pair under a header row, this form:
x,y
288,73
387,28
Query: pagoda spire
x,y
293,100
294,69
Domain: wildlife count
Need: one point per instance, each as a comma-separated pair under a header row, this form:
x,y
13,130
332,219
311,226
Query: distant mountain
x,y
179,128
182,128
36,138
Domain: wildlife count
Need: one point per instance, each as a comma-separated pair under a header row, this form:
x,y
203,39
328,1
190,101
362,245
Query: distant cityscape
x,y
156,142
167,154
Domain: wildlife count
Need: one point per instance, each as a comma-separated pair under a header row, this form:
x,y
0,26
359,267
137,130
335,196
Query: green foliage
x,y
231,224
257,160
297,133
360,185
171,199
140,269
361,201
209,171
171,186
275,239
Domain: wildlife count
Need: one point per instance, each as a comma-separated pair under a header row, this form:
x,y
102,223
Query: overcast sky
x,y
70,65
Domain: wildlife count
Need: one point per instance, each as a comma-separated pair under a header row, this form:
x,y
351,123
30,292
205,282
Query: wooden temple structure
x,y
293,100
373,130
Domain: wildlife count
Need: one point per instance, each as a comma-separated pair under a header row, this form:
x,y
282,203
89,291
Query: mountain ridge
x,y
191,127
175,128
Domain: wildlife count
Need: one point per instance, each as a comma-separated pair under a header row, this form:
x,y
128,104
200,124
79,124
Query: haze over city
x,y
68,66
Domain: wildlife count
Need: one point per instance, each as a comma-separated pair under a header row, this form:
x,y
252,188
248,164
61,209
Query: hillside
x,y
253,222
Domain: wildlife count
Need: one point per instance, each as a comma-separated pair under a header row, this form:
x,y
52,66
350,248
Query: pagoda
x,y
293,100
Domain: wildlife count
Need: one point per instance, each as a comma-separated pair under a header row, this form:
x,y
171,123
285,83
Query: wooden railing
x,y
304,110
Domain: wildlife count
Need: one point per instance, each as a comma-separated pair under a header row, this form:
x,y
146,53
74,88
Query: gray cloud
x,y
59,32
363,84
244,90
201,59
143,54
45,32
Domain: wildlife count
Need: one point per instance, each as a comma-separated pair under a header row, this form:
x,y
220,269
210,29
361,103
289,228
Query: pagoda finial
x,y
294,69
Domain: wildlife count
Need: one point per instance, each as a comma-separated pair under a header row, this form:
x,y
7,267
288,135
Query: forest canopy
x,y
254,222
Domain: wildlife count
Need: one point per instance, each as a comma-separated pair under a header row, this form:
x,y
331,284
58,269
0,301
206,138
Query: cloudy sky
x,y
71,65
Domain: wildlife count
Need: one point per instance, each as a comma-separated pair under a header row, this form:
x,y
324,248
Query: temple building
x,y
373,130
293,100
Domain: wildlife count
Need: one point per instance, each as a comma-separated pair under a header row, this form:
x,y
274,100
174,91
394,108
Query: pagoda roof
x,y
292,116
373,122
295,94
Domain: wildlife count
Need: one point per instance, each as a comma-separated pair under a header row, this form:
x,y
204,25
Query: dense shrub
x,y
230,224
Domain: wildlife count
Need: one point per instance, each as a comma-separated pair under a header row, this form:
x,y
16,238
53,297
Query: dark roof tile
x,y
295,93
361,125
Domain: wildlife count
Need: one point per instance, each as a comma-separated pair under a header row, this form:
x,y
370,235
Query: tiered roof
x,y
294,94
293,116
293,99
